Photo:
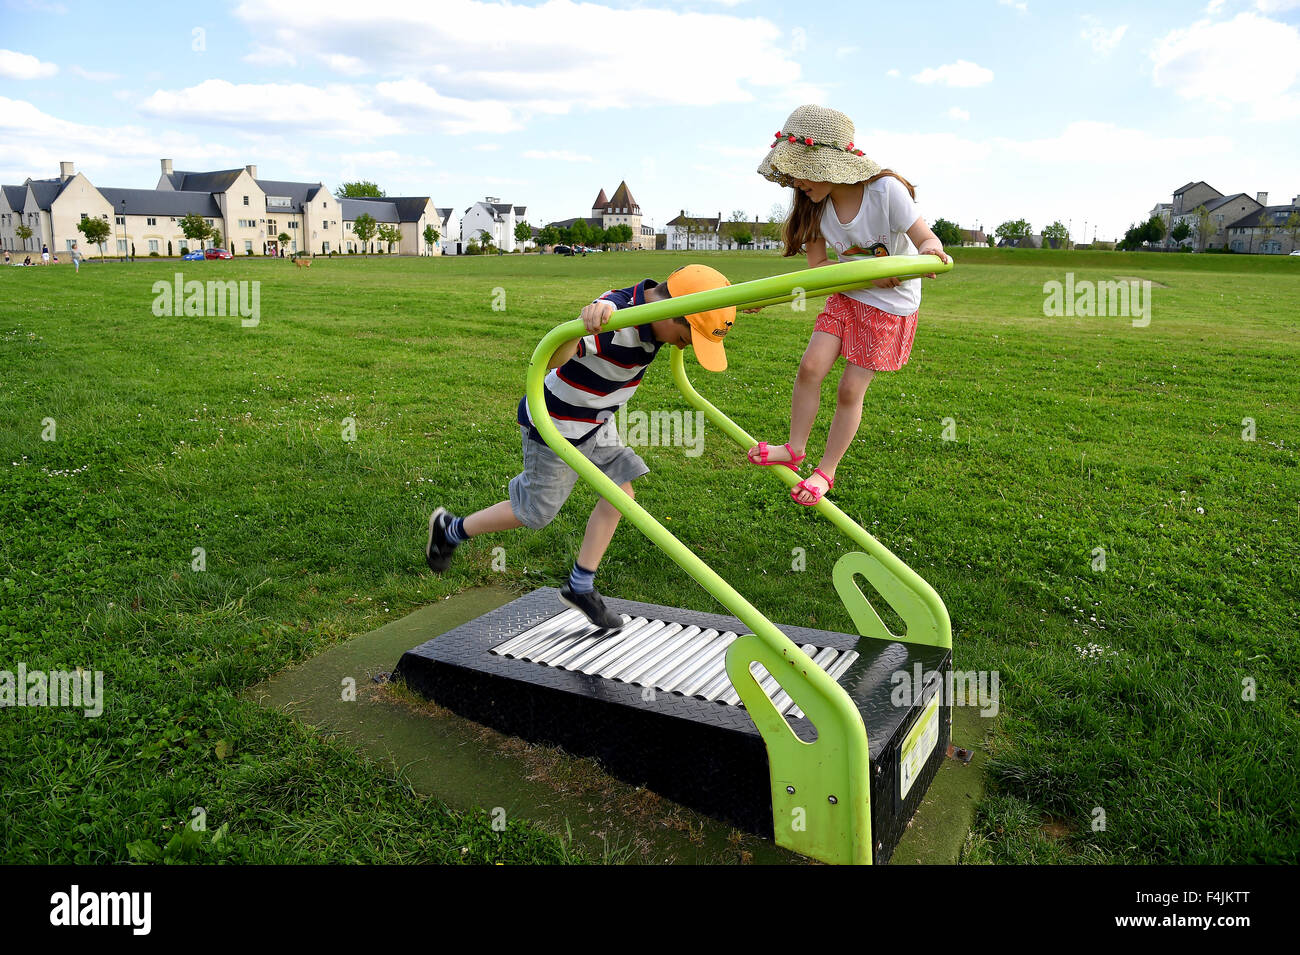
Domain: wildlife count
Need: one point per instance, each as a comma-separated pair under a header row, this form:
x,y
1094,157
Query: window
x,y
325,248
153,245
293,225
209,222
245,200
84,216
69,243
119,220
248,245
270,225
150,221
121,246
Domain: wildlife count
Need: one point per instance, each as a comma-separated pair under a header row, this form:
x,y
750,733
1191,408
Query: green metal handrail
x,y
821,799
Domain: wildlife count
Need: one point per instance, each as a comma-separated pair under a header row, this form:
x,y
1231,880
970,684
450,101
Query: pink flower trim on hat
x,y
810,143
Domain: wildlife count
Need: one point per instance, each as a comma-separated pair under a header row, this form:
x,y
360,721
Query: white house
x,y
498,219
448,226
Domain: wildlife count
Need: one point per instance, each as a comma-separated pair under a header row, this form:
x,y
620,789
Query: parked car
x,y
563,250
195,256
1296,252
218,254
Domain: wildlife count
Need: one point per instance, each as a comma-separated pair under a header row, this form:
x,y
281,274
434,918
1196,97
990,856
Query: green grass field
x,y
1072,434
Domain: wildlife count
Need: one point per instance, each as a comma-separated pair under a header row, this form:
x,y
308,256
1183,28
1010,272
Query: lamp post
x,y
124,239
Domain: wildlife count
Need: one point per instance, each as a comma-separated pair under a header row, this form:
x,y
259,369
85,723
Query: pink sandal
x,y
817,493
762,461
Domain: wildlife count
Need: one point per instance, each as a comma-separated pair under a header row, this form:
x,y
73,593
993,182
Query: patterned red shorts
x,y
869,337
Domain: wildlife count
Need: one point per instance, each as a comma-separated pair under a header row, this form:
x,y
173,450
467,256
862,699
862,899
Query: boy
x,y
590,378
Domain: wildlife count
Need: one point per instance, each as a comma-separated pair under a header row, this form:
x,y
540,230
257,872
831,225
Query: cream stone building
x,y
250,213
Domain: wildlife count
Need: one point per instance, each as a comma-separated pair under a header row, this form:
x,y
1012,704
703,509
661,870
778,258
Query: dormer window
x,y
245,200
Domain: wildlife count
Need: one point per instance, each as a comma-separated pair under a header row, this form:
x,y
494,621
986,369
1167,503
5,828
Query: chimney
x,y
166,167
66,170
252,170
1261,198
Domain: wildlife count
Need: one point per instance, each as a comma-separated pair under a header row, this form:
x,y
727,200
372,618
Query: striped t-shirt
x,y
587,390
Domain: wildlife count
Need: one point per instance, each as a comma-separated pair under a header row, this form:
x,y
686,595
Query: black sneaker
x,y
439,550
593,607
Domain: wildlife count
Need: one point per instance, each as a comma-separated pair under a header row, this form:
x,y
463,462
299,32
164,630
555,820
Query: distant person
x,y
6,256
27,260
45,255
76,259
845,200
590,379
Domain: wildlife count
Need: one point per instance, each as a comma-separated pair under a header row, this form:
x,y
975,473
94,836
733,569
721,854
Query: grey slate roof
x,y
410,208
218,181
161,202
46,191
1278,215
381,210
16,196
298,192
1215,203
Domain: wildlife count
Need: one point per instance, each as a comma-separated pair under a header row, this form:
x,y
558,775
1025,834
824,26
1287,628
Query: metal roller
x,y
564,619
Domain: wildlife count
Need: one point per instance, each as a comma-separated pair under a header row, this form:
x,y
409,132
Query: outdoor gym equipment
x,y
824,741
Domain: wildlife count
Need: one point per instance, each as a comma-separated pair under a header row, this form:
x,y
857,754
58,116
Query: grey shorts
x,y
540,490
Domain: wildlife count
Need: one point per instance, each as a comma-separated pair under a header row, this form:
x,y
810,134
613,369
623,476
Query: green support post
x,y
821,794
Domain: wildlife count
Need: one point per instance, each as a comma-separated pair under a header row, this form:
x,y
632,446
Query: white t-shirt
x,y
879,228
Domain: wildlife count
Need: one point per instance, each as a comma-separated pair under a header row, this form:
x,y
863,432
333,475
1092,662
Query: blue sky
x,y
996,109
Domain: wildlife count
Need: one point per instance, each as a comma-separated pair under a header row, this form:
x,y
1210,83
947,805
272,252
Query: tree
x,y
217,240
548,235
1266,230
195,228
598,236
389,235
364,229
580,232
1202,216
23,232
284,239
431,235
364,189
95,231
1013,229
1180,231
1292,228
523,232
620,234
485,241
990,240
737,226
1058,231
949,233
1154,230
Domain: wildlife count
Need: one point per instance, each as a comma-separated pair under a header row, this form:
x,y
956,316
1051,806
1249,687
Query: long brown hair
x,y
803,225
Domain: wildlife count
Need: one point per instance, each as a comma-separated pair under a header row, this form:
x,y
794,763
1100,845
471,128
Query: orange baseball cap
x,y
707,328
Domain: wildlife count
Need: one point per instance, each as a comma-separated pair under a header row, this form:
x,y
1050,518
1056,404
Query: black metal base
x,y
705,755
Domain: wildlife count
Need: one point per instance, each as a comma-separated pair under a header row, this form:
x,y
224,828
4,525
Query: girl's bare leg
x,y
844,426
818,358
498,517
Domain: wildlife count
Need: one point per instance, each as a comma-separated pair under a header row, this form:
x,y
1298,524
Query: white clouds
x,y
894,73
93,75
32,143
1017,4
1101,39
956,112
334,111
963,73
556,56
1275,6
1204,62
446,114
262,55
24,66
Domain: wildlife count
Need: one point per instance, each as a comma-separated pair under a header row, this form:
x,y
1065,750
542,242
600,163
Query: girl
x,y
870,212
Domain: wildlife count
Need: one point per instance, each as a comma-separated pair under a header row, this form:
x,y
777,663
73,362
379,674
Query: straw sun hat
x,y
816,144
